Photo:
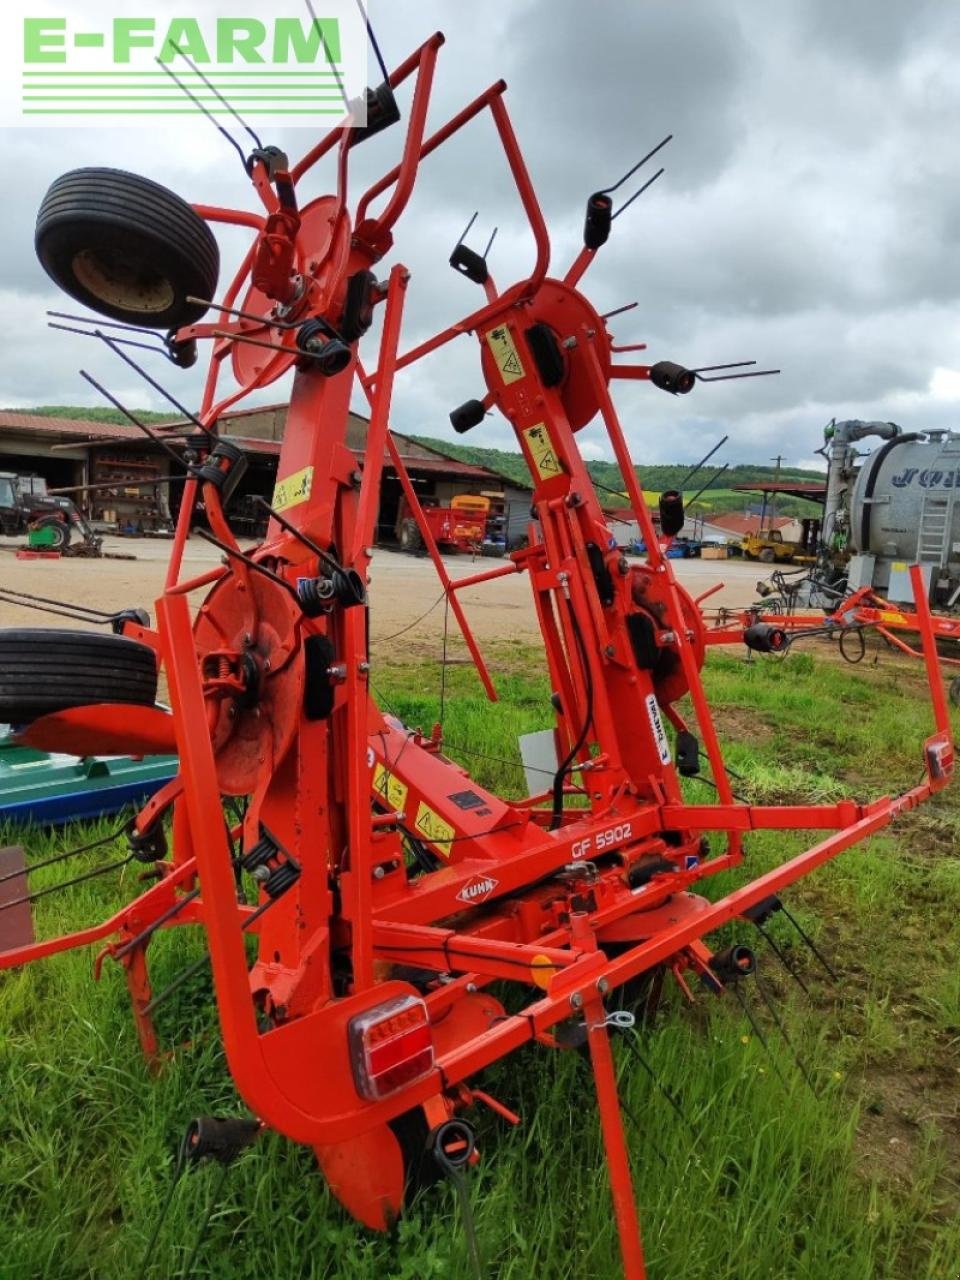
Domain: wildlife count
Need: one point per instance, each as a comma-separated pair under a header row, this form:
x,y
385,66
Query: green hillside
x,y
85,414
656,477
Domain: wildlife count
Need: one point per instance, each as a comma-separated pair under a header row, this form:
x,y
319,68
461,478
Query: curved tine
x,y
98,320
637,194
127,342
216,92
493,236
197,103
171,399
134,419
639,165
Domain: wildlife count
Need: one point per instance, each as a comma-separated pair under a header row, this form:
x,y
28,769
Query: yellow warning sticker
x,y
433,828
293,489
500,342
394,791
893,616
542,451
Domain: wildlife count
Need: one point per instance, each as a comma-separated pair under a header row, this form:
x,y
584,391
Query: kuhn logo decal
x,y
477,889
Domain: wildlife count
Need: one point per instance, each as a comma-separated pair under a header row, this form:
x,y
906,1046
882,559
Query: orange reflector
x,y
542,970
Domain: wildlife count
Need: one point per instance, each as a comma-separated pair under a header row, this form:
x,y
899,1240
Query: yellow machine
x,y
770,547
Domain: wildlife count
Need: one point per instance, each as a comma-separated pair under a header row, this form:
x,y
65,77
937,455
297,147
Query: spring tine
x,y
618,311
134,419
171,399
78,608
633,1043
765,996
637,194
66,884
748,1014
106,324
197,103
216,92
326,53
284,523
373,40
466,229
177,983
127,342
145,934
639,165
703,461
809,941
783,959
493,236
737,364
729,377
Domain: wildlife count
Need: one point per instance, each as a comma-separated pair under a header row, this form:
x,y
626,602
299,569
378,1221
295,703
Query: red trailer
x,y
460,527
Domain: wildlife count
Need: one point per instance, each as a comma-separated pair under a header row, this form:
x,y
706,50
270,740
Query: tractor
x,y
27,507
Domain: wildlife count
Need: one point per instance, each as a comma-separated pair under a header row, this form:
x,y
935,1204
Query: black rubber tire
x,y
127,248
411,539
43,669
60,528
767,556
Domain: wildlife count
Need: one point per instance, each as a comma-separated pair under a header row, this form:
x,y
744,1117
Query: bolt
x,y
669,637
623,566
568,344
356,477
471,988
363,668
247,639
576,1000
378,873
266,665
609,651
603,986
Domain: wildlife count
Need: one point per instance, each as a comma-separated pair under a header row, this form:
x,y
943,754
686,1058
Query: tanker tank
x,y
904,509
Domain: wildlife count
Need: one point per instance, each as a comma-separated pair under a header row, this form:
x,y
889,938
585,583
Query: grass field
x,y
758,1179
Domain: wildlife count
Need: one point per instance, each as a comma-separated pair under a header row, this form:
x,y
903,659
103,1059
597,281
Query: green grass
x,y
859,1184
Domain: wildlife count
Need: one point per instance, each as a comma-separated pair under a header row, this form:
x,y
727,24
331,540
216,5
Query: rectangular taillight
x,y
391,1046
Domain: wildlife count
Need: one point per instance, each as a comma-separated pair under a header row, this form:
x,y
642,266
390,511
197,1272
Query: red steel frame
x,y
521,892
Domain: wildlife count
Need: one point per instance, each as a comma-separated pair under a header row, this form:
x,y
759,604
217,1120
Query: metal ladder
x,y
935,520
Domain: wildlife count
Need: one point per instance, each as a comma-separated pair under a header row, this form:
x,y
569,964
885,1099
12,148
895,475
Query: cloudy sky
x,y
809,216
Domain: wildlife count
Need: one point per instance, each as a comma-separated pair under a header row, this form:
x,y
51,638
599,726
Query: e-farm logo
x,y
104,62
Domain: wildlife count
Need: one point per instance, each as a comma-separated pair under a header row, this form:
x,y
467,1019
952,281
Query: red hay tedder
x,y
397,898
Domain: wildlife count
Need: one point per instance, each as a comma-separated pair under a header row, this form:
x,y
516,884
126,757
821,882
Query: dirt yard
x,y
403,588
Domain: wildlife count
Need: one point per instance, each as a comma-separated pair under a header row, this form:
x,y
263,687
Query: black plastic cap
x,y
467,416
599,220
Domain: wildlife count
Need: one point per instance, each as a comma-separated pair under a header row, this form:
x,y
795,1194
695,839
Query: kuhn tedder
x,y
396,896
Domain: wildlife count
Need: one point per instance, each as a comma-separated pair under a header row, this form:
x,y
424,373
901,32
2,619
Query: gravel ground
x,y
402,587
